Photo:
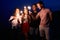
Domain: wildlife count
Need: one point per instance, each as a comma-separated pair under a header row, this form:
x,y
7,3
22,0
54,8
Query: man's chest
x,y
43,13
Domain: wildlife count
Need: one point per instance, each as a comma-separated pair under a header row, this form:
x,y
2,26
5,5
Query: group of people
x,y
33,22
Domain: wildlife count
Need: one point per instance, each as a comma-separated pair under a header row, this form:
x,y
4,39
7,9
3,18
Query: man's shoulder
x,y
47,9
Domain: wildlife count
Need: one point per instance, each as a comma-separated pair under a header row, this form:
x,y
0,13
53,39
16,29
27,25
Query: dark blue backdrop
x,y
7,7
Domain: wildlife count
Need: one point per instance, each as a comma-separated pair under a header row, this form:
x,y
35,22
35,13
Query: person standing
x,y
46,17
34,23
16,21
16,18
25,24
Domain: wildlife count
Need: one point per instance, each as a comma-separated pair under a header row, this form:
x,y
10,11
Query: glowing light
x,y
29,7
24,6
21,11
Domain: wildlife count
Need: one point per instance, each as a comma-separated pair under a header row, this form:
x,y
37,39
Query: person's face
x,y
39,6
25,10
33,7
17,11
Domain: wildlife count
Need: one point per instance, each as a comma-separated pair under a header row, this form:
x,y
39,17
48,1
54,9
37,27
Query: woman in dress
x,y
16,18
25,25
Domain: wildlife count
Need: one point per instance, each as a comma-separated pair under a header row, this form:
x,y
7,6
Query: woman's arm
x,y
20,19
11,18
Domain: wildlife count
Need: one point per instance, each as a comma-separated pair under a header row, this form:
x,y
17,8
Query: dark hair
x,y
40,2
34,4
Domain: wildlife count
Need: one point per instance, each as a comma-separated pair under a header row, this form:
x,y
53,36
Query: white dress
x,y
15,21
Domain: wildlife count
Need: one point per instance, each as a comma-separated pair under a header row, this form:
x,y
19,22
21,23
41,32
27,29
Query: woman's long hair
x,y
14,13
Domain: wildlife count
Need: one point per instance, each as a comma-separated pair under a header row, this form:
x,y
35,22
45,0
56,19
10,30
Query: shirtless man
x,y
46,17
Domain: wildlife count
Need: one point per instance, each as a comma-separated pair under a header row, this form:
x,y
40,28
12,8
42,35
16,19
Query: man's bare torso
x,y
44,16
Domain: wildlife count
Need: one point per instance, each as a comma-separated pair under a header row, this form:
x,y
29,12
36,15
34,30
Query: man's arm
x,y
37,16
31,14
50,15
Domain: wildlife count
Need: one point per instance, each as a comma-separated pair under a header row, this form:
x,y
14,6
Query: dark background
x,y
7,7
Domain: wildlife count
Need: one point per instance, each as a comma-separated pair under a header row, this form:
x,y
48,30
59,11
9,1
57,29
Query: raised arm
x,y
11,18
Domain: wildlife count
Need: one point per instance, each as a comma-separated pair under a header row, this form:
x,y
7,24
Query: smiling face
x,y
33,7
17,11
39,5
25,11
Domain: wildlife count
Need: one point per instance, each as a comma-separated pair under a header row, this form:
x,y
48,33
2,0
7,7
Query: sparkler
x,y
21,12
24,6
29,7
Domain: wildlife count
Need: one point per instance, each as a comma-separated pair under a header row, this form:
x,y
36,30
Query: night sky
x,y
11,4
7,6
